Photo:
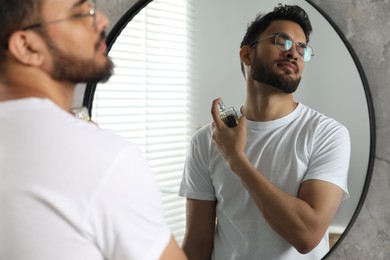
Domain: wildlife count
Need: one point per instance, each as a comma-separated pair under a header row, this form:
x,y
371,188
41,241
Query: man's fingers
x,y
215,112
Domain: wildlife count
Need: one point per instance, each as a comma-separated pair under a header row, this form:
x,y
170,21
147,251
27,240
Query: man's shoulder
x,y
323,126
98,138
313,115
202,134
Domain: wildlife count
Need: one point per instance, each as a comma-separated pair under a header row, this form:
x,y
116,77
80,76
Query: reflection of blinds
x,y
146,99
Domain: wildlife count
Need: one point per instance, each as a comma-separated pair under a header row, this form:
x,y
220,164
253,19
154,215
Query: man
x,y
69,190
269,187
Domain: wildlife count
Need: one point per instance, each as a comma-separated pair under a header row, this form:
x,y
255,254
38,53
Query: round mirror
x,y
173,57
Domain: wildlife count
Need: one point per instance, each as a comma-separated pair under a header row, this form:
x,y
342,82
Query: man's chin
x,y
277,79
287,88
105,73
285,85
105,79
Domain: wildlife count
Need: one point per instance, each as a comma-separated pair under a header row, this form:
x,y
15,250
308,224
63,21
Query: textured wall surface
x,y
114,8
366,25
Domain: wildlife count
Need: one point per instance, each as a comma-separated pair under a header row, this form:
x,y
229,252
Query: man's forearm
x,y
291,217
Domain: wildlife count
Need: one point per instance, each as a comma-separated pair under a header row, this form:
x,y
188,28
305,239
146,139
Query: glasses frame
x,y
91,13
298,44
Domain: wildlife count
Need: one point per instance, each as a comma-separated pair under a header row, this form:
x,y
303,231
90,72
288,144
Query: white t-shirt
x,y
72,191
288,151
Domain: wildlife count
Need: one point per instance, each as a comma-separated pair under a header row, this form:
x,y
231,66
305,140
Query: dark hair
x,y
292,13
14,14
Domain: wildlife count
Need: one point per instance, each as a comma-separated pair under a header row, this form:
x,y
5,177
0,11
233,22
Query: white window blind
x,y
146,100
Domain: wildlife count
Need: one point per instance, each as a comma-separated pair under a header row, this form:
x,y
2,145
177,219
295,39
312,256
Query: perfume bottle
x,y
228,115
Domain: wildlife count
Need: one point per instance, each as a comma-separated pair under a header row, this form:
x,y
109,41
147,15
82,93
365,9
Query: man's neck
x,y
265,103
32,83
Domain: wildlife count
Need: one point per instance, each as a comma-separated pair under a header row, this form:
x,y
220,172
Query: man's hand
x,y
229,141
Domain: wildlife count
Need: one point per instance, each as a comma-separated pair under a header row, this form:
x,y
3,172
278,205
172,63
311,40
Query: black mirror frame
x,y
138,6
111,38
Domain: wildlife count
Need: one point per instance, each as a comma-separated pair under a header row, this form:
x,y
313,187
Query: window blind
x,y
147,98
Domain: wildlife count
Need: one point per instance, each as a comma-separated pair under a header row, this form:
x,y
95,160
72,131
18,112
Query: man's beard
x,y
73,69
262,73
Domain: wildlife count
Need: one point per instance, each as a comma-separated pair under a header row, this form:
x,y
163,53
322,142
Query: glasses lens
x,y
283,42
307,53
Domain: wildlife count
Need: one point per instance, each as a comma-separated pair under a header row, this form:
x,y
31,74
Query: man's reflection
x,y
269,187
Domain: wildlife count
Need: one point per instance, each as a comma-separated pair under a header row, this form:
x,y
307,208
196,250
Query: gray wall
x,y
366,25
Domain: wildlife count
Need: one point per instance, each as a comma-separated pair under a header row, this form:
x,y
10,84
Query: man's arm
x,y
302,220
198,240
173,252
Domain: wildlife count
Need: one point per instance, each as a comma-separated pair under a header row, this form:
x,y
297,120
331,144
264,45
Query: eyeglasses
x,y
91,13
284,43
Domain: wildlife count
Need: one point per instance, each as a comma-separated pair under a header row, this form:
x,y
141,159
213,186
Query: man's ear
x,y
26,47
245,55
